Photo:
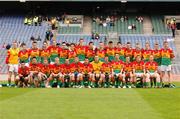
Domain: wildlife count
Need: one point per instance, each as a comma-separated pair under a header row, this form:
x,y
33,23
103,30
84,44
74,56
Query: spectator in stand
x,y
39,20
139,19
49,35
35,20
173,28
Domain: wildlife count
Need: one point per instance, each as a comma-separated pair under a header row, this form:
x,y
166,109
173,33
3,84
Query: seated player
x,y
67,75
138,70
45,71
117,70
55,78
23,75
128,73
76,71
152,72
34,71
106,72
96,78
86,74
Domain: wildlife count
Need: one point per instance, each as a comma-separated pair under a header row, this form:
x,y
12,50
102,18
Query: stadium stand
x,y
69,30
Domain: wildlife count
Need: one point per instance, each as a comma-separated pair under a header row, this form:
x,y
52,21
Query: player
x,y
24,55
117,70
86,72
34,52
44,52
146,52
97,78
138,70
72,53
137,51
106,72
128,73
157,56
81,50
152,72
23,75
34,69
120,50
90,51
53,51
63,53
56,77
129,51
166,60
101,52
110,51
12,60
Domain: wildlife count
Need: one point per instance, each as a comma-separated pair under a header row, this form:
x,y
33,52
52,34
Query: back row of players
x,y
80,65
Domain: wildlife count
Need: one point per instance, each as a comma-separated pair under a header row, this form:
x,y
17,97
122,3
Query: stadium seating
x,y
70,30
120,27
159,26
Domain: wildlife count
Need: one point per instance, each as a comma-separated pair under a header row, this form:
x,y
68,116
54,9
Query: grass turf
x,y
19,103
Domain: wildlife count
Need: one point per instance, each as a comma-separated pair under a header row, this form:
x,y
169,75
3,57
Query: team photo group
x,y
86,66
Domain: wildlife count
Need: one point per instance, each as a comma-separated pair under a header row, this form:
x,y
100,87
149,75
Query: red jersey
x,y
53,50
138,66
151,66
34,53
24,55
106,67
128,52
101,53
23,71
120,51
80,50
63,53
66,68
89,52
34,67
110,51
87,68
72,54
56,68
136,52
45,69
128,67
44,53
117,65
146,54
76,67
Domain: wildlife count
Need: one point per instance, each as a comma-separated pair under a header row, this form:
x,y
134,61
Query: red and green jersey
x,y
55,68
110,51
151,66
146,54
136,52
121,52
76,67
63,53
24,56
101,54
54,52
71,55
23,71
81,52
66,68
44,53
34,53
157,56
139,66
45,69
117,66
34,67
90,54
87,68
106,67
128,67
166,56
129,53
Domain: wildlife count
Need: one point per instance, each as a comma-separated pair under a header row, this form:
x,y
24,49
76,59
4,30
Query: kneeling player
x,y
106,72
23,72
127,73
152,72
55,78
34,71
138,70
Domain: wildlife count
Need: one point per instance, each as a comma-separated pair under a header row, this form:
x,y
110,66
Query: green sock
x,y
158,84
82,83
59,83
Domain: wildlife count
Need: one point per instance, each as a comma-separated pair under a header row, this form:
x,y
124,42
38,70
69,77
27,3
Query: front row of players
x,y
117,73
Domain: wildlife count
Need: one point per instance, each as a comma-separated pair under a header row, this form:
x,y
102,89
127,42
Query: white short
x,y
165,68
139,74
151,74
159,68
51,62
13,68
27,64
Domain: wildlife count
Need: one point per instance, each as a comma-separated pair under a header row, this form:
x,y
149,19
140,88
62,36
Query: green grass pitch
x,y
41,103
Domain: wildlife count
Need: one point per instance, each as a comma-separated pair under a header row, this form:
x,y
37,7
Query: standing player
x,y
110,51
97,78
147,52
72,53
81,50
90,53
106,72
101,52
23,75
44,52
157,56
129,51
120,50
63,53
128,73
53,51
166,57
138,70
12,60
117,70
34,52
34,69
24,55
152,72
137,51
